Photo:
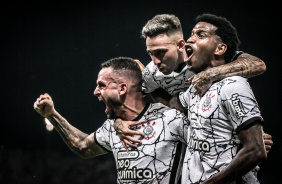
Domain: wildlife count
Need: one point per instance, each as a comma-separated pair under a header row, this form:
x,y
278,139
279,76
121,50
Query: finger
x,y
267,148
267,136
134,140
46,95
35,105
130,144
124,145
268,142
195,79
133,132
201,93
43,101
133,123
142,67
197,90
191,78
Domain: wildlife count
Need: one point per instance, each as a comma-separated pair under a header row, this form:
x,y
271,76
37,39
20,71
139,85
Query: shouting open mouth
x,y
189,51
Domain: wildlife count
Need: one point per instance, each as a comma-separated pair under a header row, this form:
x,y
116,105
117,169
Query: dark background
x,y
57,47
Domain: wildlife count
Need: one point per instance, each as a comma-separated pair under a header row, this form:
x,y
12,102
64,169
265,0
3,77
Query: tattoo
x,y
80,143
118,126
245,66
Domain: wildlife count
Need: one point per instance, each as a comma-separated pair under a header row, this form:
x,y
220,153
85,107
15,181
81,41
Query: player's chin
x,y
189,66
166,72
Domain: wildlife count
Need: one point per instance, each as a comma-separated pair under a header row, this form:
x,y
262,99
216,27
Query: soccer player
x,y
167,74
226,142
119,86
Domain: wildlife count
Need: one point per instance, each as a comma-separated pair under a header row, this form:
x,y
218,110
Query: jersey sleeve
x,y
149,84
240,104
183,98
102,136
178,125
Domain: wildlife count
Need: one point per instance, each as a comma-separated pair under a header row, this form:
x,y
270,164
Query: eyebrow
x,y
158,49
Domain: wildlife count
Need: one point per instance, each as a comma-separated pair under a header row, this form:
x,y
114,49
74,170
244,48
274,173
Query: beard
x,y
112,106
110,113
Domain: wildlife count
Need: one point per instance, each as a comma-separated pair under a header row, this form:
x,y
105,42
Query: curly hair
x,y
225,30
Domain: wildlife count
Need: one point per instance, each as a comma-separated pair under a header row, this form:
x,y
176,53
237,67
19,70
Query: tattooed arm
x,y
245,65
80,143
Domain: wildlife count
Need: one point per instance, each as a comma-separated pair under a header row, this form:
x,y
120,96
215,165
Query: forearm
x,y
244,161
80,143
251,154
245,65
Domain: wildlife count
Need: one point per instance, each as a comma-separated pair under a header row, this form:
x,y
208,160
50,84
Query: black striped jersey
x,y
215,120
153,161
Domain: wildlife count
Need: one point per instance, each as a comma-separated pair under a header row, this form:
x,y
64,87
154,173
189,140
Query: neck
x,y
217,62
181,63
131,107
213,63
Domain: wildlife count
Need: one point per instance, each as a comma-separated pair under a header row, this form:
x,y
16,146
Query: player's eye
x,y
101,85
201,35
160,53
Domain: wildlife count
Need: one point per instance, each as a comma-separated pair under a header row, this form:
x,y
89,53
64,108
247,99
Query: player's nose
x,y
156,60
96,91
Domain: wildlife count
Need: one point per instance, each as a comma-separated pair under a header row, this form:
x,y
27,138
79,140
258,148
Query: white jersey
x,y
216,119
153,161
172,83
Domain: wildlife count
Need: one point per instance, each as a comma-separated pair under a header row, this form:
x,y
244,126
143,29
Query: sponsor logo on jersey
x,y
199,145
153,115
207,103
123,164
130,154
237,104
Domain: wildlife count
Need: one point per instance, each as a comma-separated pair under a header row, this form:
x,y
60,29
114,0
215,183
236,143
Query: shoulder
x,y
107,126
165,110
233,85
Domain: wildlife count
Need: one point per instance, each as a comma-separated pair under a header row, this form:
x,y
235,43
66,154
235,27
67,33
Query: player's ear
x,y
181,44
122,88
220,49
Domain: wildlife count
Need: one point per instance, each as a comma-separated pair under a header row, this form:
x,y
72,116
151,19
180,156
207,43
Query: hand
x,y
142,67
125,133
44,105
267,141
201,82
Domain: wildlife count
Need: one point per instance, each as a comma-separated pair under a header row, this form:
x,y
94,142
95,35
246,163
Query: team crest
x,y
207,103
149,130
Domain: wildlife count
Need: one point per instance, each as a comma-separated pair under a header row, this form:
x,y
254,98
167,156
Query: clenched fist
x,y
44,105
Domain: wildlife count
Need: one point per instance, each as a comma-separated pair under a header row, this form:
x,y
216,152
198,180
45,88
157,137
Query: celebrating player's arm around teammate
x,y
119,86
168,74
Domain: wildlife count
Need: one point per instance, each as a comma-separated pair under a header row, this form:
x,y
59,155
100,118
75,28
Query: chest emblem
x,y
149,130
207,103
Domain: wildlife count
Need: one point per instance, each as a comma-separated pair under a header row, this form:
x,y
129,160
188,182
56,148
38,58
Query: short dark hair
x,y
225,30
126,67
162,24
